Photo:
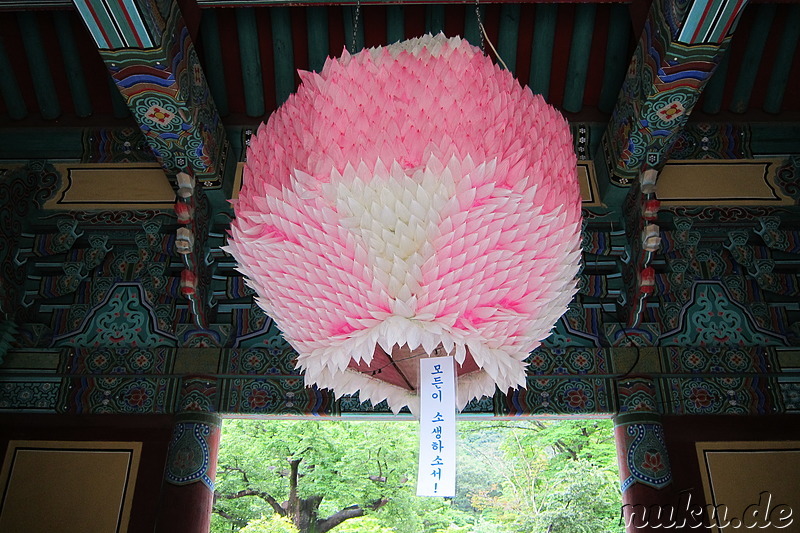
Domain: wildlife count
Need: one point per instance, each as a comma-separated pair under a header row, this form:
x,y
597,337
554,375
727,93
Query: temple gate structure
x,y
127,333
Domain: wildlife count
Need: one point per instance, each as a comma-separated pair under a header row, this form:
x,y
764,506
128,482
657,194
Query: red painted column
x,y
187,494
648,501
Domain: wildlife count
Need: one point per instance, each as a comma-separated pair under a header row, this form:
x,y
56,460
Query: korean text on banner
x,y
437,427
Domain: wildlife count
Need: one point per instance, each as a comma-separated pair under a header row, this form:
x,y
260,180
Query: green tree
x,y
272,524
316,473
557,476
514,476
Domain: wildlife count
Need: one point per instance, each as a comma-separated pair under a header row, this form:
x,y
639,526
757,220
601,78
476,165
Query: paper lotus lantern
x,y
411,200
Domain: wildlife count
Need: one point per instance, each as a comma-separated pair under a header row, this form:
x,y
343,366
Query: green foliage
x,y
557,476
272,524
514,476
363,524
348,463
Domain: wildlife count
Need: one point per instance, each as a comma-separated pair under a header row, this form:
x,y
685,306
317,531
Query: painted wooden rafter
x,y
152,60
678,51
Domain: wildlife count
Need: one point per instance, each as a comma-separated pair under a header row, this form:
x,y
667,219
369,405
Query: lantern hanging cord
x,y
480,24
355,23
489,42
483,34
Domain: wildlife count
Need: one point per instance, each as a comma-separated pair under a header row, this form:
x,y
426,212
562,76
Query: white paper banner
x,y
437,427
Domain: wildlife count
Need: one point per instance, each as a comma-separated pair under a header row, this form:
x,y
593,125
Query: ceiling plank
x,y
752,58
212,50
783,62
12,96
395,24
81,102
544,34
579,57
318,47
43,83
509,35
249,56
617,57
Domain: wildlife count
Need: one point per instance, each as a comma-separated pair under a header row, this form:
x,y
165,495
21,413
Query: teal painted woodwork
x,y
783,62
752,58
12,96
166,91
352,18
213,60
434,18
472,30
72,65
395,24
544,34
115,25
128,21
318,48
652,108
43,84
96,24
124,317
712,98
283,52
120,108
579,57
251,60
509,34
616,57
770,139
30,143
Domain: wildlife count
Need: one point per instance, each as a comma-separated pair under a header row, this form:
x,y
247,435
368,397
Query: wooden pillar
x,y
187,494
648,502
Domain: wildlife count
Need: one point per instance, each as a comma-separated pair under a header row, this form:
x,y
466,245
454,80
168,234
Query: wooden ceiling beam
x,y
617,57
73,66
250,58
283,53
784,57
544,35
353,32
212,50
579,57
508,36
752,58
671,66
148,50
434,18
9,88
395,24
43,84
318,37
715,88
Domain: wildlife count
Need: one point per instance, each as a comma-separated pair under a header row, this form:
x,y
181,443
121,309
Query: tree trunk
x,y
301,511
